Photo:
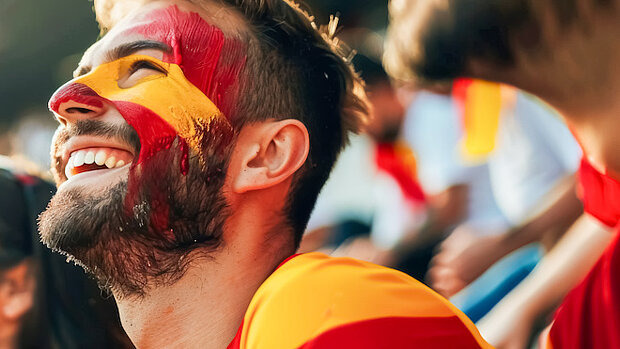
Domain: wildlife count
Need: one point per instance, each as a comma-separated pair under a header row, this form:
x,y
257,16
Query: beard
x,y
143,231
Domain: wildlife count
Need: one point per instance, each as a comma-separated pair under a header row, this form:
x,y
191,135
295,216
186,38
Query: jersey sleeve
x,y
315,301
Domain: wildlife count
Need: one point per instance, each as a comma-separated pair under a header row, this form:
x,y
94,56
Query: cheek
x,y
160,108
154,132
170,106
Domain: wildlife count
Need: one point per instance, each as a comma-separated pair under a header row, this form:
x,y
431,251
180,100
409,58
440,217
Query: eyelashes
x,y
141,70
144,64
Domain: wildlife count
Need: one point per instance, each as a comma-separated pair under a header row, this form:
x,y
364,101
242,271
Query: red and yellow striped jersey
x,y
316,301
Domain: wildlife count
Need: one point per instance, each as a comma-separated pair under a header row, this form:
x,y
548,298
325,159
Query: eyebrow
x,y
127,49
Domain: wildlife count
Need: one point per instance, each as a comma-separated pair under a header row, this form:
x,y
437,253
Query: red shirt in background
x,y
589,317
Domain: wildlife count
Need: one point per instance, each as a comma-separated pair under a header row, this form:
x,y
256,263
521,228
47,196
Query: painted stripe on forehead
x,y
209,60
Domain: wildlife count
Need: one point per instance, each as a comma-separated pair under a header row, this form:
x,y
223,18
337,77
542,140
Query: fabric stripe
x,y
418,332
313,293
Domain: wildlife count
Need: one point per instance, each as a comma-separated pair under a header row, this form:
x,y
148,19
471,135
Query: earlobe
x,y
273,152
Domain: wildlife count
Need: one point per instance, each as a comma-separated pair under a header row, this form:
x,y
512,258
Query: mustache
x,y
121,132
124,133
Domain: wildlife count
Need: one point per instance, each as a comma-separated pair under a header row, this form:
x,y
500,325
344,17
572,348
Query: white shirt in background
x,y
433,130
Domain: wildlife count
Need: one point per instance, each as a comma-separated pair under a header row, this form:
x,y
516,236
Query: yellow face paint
x,y
167,94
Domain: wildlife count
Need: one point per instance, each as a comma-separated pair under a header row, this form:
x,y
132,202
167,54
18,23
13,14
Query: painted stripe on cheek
x,y
158,107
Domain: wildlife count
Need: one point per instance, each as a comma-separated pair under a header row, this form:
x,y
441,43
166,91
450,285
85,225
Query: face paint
x,y
208,59
158,106
202,62
79,93
139,230
180,103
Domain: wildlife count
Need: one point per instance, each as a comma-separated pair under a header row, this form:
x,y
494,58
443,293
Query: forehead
x,y
158,20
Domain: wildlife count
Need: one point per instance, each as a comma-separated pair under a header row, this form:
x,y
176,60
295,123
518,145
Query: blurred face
x,y
141,152
17,286
387,112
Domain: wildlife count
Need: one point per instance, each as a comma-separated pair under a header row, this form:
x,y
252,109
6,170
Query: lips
x,y
86,153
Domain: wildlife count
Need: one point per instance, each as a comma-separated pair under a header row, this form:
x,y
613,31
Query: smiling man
x,y
192,145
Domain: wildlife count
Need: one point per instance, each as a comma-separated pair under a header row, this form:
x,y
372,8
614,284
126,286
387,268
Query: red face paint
x,y
79,93
208,59
151,129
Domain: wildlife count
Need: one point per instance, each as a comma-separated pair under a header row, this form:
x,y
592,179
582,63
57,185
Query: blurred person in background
x,y
20,325
529,177
191,147
45,302
565,52
459,193
531,159
372,198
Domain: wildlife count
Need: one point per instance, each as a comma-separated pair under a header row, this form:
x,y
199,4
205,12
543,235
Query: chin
x,y
136,229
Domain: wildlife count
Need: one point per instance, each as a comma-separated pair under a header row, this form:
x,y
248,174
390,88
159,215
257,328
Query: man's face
x,y
142,150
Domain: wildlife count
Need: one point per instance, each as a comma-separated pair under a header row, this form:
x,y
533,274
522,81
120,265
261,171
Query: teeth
x,y
89,158
69,167
110,162
100,158
79,158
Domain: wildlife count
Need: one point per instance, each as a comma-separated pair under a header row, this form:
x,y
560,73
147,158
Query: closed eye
x,y
143,64
140,70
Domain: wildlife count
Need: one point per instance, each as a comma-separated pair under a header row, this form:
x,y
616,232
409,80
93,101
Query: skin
x,y
509,325
463,257
263,161
16,299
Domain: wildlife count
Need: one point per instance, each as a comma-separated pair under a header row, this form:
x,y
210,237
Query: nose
x,y
74,102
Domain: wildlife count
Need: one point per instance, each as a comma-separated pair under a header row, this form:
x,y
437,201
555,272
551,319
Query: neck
x,y
597,133
591,108
595,122
205,308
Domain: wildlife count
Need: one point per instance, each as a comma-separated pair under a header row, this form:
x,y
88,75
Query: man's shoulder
x,y
317,275
313,297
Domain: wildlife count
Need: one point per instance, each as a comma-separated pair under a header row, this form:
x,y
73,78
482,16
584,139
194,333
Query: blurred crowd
x,y
467,185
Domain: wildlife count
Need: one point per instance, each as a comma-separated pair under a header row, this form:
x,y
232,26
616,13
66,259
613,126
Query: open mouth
x,y
94,159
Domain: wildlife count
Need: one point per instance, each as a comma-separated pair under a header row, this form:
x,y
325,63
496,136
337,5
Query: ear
x,y
270,153
18,292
